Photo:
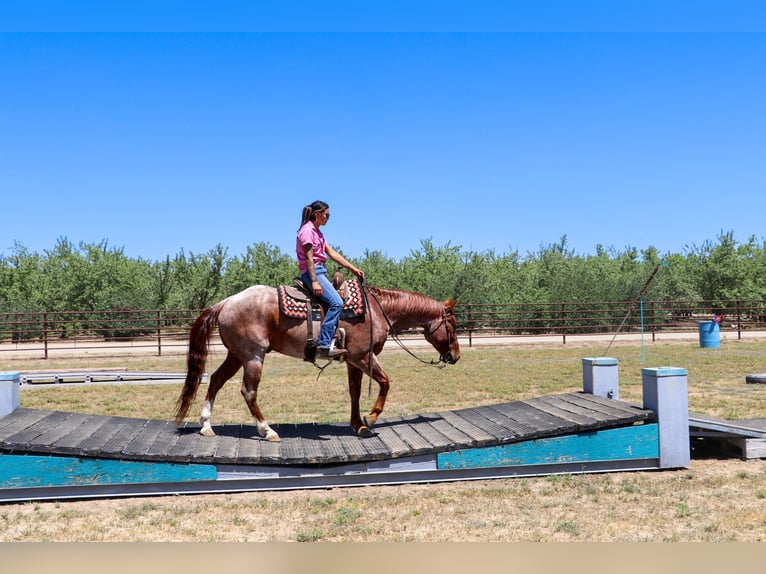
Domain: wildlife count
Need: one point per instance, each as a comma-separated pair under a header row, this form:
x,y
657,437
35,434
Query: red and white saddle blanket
x,y
295,303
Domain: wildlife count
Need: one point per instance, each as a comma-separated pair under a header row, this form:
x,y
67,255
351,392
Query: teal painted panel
x,y
24,471
600,361
636,442
660,372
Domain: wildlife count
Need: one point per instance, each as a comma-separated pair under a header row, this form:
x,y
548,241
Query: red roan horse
x,y
250,325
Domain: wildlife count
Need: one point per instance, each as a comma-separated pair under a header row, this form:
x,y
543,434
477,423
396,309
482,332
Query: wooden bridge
x,y
58,455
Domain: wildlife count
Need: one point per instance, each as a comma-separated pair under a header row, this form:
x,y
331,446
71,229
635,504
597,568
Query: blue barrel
x,y
710,334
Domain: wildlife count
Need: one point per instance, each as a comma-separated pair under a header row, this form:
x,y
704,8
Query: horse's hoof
x,y
368,420
271,436
364,432
207,431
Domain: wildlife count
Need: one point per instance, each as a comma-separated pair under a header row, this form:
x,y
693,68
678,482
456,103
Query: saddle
x,y
297,302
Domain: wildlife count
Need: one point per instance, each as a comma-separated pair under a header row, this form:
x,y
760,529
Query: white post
x,y
9,392
600,377
665,393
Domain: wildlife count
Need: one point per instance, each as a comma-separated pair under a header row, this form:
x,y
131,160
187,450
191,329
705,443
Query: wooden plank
x,y
26,436
70,424
187,443
608,407
457,437
416,442
158,449
249,446
19,420
72,442
127,429
513,429
627,443
291,447
142,441
539,422
549,407
313,444
479,436
270,452
620,409
92,445
205,449
589,415
396,446
229,439
326,440
354,448
494,430
375,447
422,425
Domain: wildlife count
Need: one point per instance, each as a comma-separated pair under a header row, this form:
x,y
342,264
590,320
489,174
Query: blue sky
x,y
501,128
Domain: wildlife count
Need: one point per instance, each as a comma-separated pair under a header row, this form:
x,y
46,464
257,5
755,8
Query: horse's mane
x,y
404,302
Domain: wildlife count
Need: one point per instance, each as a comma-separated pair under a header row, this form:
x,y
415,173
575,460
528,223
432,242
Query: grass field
x,y
713,500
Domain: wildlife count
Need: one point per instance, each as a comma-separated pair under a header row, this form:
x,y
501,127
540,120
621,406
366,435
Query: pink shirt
x,y
310,235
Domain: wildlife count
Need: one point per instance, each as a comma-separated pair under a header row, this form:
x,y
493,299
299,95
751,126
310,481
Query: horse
x,y
250,325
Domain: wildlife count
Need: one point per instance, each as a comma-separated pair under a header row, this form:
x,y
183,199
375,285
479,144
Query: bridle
x,y
446,357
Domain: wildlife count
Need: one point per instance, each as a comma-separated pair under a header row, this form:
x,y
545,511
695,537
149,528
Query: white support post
x,y
9,392
600,377
665,393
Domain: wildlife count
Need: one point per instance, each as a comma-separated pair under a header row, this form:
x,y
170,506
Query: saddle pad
x,y
292,301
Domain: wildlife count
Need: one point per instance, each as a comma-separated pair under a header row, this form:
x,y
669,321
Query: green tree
x,y
262,264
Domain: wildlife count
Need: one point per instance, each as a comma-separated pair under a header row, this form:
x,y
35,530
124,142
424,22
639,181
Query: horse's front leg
x,y
250,381
362,424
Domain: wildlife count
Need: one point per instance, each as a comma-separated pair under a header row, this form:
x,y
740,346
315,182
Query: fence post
x,y
159,333
470,325
564,323
739,321
45,333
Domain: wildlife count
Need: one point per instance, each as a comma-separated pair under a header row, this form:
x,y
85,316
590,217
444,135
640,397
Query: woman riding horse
x,y
312,251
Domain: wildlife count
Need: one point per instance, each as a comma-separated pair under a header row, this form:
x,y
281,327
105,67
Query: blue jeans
x,y
331,297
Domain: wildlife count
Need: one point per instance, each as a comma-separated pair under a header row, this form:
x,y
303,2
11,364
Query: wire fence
x,y
161,330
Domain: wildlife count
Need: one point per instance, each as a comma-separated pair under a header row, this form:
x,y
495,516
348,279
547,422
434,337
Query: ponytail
x,y
310,210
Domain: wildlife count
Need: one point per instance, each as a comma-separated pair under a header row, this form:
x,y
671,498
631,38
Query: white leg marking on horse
x,y
204,419
265,431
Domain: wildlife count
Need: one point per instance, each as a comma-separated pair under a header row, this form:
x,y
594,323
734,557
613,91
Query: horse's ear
x,y
450,303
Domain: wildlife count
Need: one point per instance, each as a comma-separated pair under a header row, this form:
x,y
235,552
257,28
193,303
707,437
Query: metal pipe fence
x,y
158,330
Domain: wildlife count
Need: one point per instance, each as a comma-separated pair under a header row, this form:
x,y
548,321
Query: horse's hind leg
x,y
222,374
250,381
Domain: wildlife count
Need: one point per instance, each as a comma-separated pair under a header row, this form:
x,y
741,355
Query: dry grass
x,y
713,500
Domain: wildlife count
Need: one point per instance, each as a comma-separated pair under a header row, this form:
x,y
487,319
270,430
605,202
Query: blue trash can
x,y
710,334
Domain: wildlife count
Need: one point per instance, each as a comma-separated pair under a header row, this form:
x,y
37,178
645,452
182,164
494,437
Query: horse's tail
x,y
197,357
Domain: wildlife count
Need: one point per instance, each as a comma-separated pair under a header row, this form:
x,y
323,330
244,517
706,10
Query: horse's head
x,y
440,332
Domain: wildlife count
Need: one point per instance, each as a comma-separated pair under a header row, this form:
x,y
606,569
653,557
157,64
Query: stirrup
x,y
340,337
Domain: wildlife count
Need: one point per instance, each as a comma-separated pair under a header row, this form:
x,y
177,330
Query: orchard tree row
x,y
91,277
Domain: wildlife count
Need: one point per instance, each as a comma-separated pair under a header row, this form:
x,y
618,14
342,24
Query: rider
x,y
312,251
